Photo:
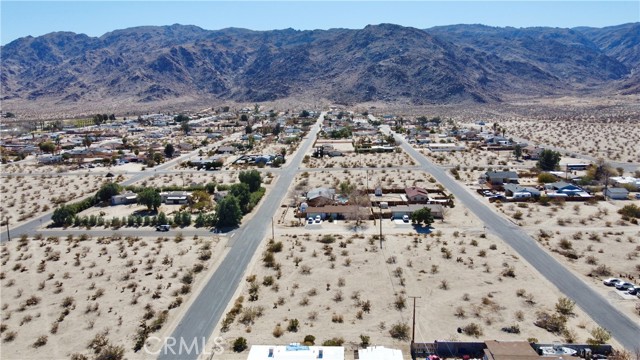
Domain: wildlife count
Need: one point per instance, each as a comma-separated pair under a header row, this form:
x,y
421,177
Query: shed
x,y
616,193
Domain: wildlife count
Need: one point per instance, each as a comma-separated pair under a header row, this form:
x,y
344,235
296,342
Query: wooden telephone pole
x,y
413,328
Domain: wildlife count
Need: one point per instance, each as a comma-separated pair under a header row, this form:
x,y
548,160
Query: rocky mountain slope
x,y
380,62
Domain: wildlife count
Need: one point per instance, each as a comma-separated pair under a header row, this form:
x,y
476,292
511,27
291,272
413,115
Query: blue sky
x,y
94,18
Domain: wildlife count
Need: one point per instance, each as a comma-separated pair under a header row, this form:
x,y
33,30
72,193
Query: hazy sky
x,y
94,18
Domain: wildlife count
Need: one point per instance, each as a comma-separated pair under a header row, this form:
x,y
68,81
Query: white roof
x,y
379,353
295,352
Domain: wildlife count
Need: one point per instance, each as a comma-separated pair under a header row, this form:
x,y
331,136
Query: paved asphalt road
x,y
623,329
208,308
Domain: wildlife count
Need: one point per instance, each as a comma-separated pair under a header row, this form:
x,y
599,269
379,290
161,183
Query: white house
x,y
379,353
126,198
295,352
175,197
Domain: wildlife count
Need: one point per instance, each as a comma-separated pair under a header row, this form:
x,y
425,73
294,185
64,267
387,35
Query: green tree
x,y
210,187
181,118
200,200
86,142
169,150
252,178
242,194
244,118
62,216
162,219
422,216
185,127
228,212
98,119
150,198
549,160
304,114
517,151
47,147
107,191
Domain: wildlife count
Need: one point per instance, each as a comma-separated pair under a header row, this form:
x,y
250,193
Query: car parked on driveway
x,y
634,290
611,281
163,228
624,285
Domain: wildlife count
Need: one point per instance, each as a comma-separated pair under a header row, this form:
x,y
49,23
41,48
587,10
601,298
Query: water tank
x,y
303,207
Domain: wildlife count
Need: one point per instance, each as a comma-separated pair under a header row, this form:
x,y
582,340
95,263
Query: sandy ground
x,y
460,273
326,290
72,290
27,195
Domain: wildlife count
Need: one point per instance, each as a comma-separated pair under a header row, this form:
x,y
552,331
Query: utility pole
x,y
8,234
413,327
380,228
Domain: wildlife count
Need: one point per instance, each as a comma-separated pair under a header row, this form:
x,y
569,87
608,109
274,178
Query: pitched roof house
x,y
416,194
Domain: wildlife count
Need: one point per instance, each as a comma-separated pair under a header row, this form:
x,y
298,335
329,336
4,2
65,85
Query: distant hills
x,y
449,64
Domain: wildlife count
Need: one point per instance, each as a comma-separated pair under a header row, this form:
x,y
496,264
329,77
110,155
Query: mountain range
x,y
386,62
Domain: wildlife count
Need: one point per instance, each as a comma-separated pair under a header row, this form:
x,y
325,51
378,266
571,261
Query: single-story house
x,y
562,187
626,181
616,193
126,198
320,196
511,189
498,178
398,211
175,197
416,194
226,150
295,351
49,159
335,212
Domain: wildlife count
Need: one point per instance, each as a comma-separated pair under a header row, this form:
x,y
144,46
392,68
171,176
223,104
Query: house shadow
x,y
422,229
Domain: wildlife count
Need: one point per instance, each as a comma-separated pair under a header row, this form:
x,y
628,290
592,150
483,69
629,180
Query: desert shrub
x,y
513,329
240,344
400,302
565,306
599,336
111,352
551,322
399,331
630,211
473,329
309,340
333,342
275,247
601,270
293,325
328,239
364,340
509,271
277,331
565,244
40,341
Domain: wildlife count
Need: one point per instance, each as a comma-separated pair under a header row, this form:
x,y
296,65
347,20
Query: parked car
x,y
310,220
611,281
405,218
624,285
634,290
163,228
318,219
497,197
